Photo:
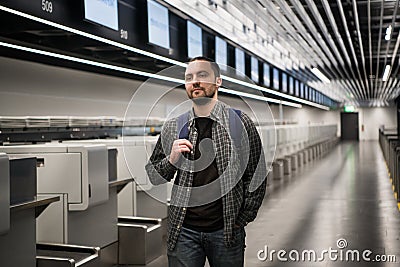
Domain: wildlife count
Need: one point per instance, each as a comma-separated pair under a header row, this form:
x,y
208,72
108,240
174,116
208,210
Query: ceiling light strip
x,y
389,86
318,17
356,18
370,47
388,93
336,31
260,88
338,36
375,95
385,87
388,34
286,26
92,63
320,58
272,100
307,19
92,36
152,55
386,73
140,73
356,89
308,43
320,75
394,92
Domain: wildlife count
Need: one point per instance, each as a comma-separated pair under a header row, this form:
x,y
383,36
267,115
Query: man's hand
x,y
178,147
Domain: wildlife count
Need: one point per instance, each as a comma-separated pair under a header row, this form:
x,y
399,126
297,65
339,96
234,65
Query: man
x,y
220,182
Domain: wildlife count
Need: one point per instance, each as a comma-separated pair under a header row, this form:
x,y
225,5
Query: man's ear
x,y
218,81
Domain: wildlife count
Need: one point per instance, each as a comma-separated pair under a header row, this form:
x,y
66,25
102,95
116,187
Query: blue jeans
x,y
193,247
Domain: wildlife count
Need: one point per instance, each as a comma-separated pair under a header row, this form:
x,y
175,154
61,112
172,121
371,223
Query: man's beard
x,y
203,100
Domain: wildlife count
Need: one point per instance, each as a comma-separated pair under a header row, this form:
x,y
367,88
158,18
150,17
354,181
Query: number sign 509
x,y
47,6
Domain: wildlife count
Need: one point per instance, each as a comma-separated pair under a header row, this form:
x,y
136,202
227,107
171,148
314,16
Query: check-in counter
x,y
139,230
18,243
268,137
151,200
78,175
127,197
140,198
390,145
81,171
4,194
98,224
295,145
139,238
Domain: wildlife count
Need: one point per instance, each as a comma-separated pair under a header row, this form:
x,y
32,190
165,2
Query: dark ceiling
x,y
351,45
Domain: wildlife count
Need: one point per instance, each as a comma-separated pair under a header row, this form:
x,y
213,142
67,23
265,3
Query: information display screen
x,y
103,12
158,24
306,92
297,88
254,69
195,43
240,65
302,90
221,53
275,81
284,82
266,76
291,85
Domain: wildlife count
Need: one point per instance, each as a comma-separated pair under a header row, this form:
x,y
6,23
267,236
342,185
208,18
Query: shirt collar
x,y
216,113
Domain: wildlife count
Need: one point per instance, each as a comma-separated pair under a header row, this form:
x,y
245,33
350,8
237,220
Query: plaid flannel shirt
x,y
242,172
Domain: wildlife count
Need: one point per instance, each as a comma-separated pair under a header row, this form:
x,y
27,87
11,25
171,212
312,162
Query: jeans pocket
x,y
239,235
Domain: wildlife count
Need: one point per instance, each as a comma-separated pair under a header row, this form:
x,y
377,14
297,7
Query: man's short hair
x,y
214,65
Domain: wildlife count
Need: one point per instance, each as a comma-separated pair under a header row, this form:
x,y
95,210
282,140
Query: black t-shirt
x,y
207,217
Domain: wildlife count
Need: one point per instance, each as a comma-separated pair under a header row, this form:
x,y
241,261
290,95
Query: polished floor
x,y
338,207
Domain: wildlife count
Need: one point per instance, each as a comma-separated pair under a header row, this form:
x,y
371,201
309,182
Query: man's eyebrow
x,y
202,71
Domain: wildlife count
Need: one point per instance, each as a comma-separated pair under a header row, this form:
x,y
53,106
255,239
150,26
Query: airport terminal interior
x,y
86,87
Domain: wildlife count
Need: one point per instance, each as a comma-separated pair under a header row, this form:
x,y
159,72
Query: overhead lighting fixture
x,y
142,73
320,75
262,98
262,5
388,33
92,63
386,73
273,92
135,50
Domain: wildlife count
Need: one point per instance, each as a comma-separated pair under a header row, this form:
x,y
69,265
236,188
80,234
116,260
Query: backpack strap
x,y
182,126
235,126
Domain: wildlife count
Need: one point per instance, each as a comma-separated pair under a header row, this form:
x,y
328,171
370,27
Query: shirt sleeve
x,y
255,175
158,168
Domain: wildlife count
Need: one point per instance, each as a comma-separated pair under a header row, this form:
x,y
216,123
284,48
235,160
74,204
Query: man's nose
x,y
196,83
